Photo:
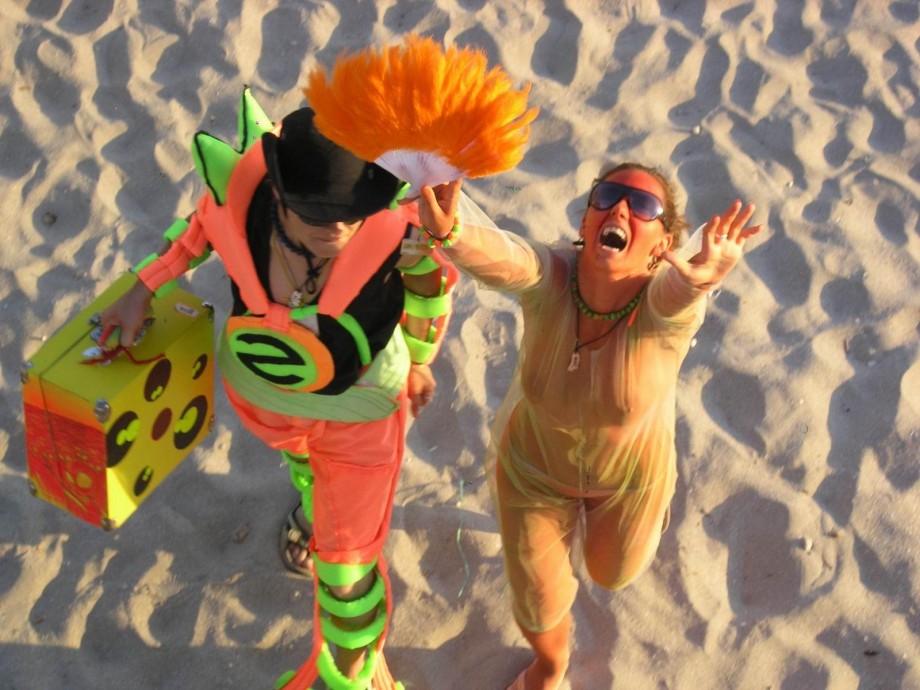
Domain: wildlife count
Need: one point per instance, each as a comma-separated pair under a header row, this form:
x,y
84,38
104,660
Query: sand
x,y
791,561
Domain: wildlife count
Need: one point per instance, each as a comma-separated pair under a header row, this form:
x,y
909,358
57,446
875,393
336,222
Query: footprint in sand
x,y
46,63
764,573
562,37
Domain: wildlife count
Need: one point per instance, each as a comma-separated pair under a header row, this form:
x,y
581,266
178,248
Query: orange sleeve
x,y
190,245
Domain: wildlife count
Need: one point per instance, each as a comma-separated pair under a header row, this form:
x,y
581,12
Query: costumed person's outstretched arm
x,y
185,247
187,242
461,232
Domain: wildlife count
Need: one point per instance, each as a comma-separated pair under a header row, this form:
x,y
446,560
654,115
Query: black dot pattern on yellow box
x,y
157,380
121,437
191,420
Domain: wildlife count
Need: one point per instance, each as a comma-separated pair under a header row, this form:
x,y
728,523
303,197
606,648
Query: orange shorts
x,y
356,467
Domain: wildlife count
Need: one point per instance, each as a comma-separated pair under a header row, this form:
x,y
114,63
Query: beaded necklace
x,y
615,316
609,316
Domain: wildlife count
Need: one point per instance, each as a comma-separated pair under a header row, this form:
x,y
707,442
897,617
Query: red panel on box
x,y
68,466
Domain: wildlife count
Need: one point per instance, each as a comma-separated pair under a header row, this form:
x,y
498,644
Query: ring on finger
x,y
722,235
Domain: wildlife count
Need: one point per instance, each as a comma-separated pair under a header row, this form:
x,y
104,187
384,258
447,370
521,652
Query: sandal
x,y
293,534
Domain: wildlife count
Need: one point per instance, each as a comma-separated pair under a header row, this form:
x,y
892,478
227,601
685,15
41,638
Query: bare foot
x,y
534,678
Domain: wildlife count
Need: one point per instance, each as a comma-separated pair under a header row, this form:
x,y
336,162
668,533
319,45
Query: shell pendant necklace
x,y
313,269
616,316
296,298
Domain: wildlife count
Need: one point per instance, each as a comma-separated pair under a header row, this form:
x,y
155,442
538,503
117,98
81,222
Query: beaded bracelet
x,y
445,241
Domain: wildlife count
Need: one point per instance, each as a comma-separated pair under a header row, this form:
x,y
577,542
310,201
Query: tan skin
x,y
326,242
608,280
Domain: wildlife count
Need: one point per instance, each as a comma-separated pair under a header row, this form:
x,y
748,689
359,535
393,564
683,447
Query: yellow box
x,y
101,437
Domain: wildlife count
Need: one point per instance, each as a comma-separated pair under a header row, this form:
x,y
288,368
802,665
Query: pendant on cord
x,y
296,299
573,363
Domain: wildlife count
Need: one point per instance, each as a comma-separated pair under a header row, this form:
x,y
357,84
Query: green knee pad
x,y
302,479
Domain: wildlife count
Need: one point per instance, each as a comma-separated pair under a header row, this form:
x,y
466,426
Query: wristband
x,y
445,241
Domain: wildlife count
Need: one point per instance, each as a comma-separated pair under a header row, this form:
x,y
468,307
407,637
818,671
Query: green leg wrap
x,y
336,680
302,479
354,607
374,600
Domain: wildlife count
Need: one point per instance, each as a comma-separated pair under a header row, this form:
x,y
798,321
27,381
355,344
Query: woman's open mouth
x,y
613,238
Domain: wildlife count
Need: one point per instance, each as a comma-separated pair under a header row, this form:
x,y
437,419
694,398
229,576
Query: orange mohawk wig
x,y
426,115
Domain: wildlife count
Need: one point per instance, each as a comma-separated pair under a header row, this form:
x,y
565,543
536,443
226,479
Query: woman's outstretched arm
x,y
496,258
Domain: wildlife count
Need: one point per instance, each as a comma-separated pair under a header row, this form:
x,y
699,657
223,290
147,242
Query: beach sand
x,y
791,562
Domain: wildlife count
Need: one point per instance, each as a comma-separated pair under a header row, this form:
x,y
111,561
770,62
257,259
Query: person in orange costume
x,y
327,347
587,428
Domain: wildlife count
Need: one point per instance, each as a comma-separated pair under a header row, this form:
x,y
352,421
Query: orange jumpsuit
x,y
353,428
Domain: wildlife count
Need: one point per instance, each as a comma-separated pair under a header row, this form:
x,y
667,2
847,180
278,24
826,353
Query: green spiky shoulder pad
x,y
215,159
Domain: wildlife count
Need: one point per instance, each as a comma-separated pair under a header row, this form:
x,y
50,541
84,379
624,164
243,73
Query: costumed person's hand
x,y
421,387
724,238
437,207
128,314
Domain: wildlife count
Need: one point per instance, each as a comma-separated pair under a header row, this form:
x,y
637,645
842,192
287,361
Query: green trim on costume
x,y
420,351
166,287
197,260
426,307
173,232
294,457
215,159
302,479
251,121
341,574
350,324
400,195
424,265
304,312
336,680
284,679
354,607
355,639
346,321
143,263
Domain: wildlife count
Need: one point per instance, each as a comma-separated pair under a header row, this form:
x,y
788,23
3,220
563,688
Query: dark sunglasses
x,y
305,219
644,205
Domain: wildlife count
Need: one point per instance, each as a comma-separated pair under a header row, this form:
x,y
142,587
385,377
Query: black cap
x,y
318,179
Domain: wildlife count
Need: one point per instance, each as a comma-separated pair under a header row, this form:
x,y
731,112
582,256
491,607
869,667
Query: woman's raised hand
x,y
724,238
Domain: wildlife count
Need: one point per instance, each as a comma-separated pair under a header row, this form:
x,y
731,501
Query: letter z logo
x,y
274,360
296,360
